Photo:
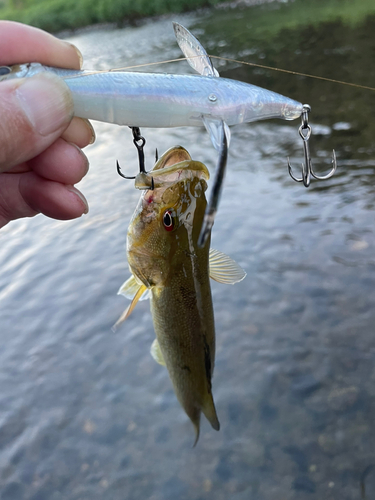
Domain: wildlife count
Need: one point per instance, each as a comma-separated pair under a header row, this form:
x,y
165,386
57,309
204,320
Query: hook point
x,y
120,173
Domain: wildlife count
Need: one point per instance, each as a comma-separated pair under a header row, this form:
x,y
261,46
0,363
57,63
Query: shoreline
x,y
68,17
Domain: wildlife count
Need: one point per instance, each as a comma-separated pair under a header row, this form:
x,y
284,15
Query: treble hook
x,y
307,170
139,142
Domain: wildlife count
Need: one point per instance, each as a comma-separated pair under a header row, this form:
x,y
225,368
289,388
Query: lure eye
x,y
168,221
4,70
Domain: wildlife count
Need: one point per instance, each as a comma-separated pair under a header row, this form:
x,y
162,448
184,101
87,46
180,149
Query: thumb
x,y
34,113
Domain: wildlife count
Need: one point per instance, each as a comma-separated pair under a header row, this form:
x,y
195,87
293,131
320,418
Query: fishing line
x,y
229,59
295,73
114,70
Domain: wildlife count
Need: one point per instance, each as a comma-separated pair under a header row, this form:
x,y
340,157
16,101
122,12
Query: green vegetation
x,y
57,15
268,20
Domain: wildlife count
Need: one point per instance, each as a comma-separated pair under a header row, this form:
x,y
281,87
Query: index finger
x,y
20,43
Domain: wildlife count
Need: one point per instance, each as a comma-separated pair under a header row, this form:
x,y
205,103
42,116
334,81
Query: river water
x,y
86,413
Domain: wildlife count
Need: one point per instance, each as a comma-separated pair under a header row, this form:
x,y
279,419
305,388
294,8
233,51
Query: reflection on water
x,y
85,413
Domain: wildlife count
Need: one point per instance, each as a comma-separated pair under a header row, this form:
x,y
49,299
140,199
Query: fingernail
x,y
75,191
92,131
79,54
46,101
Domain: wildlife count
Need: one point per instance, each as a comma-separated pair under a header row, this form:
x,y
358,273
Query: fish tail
x,y
196,427
195,416
209,411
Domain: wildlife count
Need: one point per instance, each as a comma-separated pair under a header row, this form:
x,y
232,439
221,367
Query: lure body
x,y
165,100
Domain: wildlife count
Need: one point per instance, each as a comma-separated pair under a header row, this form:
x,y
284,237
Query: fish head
x,y
166,223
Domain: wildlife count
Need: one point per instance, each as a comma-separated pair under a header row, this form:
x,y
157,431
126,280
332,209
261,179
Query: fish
x,y
163,100
169,267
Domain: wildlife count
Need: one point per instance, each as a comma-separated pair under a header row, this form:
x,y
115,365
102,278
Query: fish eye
x,y
168,221
4,70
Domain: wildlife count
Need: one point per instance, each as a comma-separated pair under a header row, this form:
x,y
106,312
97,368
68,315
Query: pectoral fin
x,y
224,269
156,352
130,289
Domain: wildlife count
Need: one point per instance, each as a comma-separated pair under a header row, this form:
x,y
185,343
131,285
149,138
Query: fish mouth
x,y
172,156
176,165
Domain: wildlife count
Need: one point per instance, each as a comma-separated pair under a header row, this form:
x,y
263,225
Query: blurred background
x,y
86,413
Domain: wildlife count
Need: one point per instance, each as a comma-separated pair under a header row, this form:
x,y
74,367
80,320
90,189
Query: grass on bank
x,y
58,15
266,20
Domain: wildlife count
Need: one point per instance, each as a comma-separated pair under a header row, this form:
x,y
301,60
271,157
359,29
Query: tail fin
x,y
194,414
196,427
209,411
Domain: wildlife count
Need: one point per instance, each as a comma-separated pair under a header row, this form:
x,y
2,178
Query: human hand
x,y
40,155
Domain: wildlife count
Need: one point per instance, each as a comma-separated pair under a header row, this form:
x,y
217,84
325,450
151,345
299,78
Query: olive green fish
x,y
168,266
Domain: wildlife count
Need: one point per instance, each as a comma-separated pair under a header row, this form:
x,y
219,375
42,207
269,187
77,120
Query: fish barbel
x,y
167,265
